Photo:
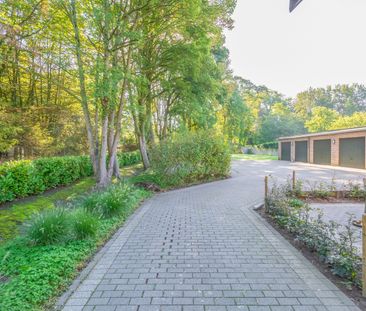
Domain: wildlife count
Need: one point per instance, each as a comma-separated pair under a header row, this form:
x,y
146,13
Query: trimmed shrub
x,y
129,158
190,157
49,227
22,178
84,224
19,179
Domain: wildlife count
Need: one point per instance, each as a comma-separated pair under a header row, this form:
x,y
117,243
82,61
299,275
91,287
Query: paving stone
x,y
204,248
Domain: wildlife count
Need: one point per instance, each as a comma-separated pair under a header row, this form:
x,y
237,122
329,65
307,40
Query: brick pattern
x,y
334,146
202,249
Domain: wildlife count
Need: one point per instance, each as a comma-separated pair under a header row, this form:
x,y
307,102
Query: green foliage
x,y
273,125
22,178
128,158
190,157
321,118
108,203
37,273
84,224
296,203
49,227
345,99
319,190
355,190
254,157
270,145
11,217
239,120
357,119
335,246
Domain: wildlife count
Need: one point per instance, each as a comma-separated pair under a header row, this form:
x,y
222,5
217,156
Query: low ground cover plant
x,y
188,158
11,217
333,244
41,262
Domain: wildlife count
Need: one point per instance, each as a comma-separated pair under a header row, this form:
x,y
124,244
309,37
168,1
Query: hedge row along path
x,y
204,248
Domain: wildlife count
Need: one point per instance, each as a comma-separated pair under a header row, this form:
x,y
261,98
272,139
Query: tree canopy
x,y
95,76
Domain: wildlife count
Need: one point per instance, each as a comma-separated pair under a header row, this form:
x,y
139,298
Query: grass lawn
x,y
32,276
256,157
11,217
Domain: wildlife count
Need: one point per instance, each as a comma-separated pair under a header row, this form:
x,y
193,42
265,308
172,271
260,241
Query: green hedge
x,y
269,145
22,178
129,158
19,179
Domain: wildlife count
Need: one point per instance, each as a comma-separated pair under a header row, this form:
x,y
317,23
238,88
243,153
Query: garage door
x,y
352,152
301,151
322,151
286,151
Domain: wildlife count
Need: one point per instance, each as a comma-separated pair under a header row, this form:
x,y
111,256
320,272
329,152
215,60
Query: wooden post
x,y
364,245
293,180
265,193
364,255
364,188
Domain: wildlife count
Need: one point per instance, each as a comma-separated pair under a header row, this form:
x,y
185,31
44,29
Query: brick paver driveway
x,y
203,248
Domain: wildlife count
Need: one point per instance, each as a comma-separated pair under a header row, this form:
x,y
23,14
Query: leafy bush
x,y
129,158
334,245
355,190
84,224
23,178
319,190
49,227
269,145
189,158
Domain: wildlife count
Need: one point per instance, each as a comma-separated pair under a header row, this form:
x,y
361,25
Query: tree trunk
x,y
83,93
143,151
103,178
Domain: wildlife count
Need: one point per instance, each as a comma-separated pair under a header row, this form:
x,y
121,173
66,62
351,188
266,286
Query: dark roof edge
x,y
343,131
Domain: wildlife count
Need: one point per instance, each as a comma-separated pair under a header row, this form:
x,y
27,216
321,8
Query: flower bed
x,y
333,244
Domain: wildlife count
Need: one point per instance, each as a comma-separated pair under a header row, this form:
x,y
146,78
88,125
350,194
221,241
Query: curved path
x,y
204,248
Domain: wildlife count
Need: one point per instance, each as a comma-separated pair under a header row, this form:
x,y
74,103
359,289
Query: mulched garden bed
x,y
354,293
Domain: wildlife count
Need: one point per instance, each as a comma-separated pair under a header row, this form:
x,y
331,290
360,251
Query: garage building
x,y
338,148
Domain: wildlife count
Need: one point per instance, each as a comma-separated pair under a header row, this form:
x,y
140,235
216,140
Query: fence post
x,y
265,193
293,180
364,255
364,245
364,189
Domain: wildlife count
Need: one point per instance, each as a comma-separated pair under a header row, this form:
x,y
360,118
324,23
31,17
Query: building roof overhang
x,y
294,4
327,133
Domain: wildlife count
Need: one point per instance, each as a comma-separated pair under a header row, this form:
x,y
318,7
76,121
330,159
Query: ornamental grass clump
x,y
109,203
84,224
49,227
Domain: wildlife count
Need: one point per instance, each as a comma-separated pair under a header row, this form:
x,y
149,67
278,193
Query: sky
x,y
323,42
